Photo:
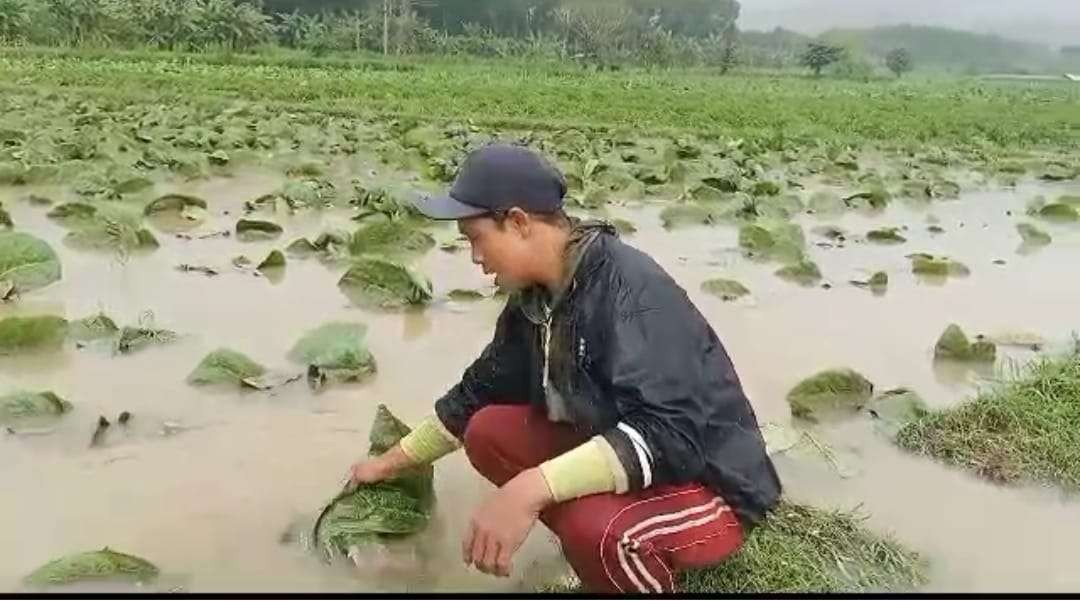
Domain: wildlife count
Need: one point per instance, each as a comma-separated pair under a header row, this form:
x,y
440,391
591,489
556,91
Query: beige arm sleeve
x,y
429,441
588,469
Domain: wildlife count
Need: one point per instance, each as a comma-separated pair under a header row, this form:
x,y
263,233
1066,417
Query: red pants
x,y
632,542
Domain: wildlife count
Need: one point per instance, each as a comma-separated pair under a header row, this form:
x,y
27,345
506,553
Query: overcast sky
x,y
1053,22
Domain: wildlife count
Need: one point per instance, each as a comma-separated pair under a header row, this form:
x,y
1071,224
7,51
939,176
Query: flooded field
x,y
203,483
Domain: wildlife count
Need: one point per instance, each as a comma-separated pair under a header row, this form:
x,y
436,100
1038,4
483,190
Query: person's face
x,y
502,249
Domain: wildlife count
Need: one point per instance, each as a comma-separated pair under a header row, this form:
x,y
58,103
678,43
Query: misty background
x,y
1050,22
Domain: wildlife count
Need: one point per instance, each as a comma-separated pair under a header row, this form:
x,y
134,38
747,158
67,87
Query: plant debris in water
x,y
830,392
953,345
106,564
383,283
1026,430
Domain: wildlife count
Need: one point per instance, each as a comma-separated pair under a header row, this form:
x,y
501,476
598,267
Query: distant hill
x,y
950,49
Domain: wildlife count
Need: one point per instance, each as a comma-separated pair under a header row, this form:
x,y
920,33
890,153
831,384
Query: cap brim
x,y
446,208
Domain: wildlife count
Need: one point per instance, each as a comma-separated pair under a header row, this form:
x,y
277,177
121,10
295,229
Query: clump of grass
x,y
800,549
1025,430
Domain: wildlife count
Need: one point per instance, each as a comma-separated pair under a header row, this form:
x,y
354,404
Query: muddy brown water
x,y
209,502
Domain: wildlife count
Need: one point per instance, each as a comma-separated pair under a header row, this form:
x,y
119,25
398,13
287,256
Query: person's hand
x,y
368,471
501,524
377,469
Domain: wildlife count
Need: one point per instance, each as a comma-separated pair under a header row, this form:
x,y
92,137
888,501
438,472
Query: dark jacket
x,y
635,362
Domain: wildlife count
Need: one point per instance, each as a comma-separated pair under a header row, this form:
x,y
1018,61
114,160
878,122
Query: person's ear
x,y
519,220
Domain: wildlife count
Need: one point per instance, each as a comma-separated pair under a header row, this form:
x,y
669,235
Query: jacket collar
x,y
537,302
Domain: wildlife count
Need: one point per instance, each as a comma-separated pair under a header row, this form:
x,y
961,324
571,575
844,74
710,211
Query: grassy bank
x,y
1026,430
916,112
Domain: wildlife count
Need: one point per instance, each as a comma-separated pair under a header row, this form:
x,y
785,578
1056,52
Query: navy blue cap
x,y
497,178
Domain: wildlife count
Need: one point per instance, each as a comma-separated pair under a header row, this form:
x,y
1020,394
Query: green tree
x,y
899,61
595,30
14,20
818,56
694,18
232,25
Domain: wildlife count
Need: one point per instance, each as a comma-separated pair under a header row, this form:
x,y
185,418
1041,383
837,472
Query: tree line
x,y
603,33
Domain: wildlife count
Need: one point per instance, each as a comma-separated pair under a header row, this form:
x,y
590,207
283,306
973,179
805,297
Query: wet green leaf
x,y
31,406
928,265
377,282
92,328
1059,212
779,240
27,334
275,260
1033,236
680,215
886,235
954,345
727,290
134,339
27,262
251,230
804,273
225,366
464,296
843,390
176,212
105,564
894,409
392,238
363,515
337,350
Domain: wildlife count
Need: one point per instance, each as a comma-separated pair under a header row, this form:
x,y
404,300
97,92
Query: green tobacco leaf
x,y
25,334
382,283
829,391
365,514
337,350
20,406
225,366
394,238
92,328
250,230
134,339
105,564
27,262
727,290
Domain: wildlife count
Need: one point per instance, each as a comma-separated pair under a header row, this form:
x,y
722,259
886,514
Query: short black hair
x,y
556,218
